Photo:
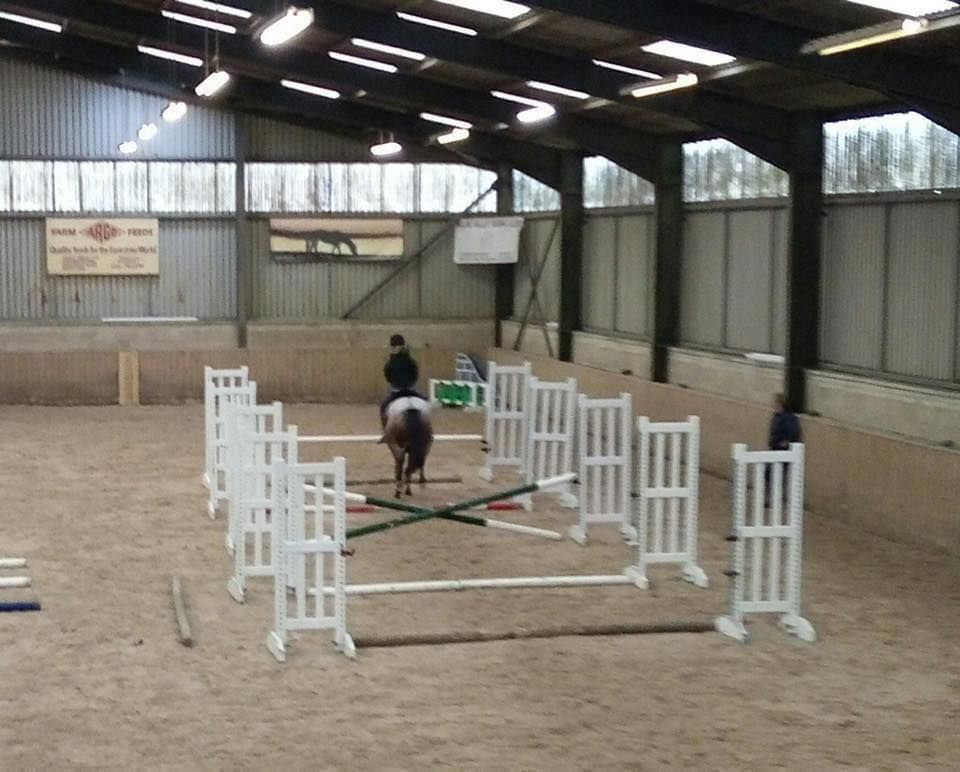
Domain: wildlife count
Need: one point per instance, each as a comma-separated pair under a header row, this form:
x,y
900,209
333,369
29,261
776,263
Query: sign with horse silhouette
x,y
321,239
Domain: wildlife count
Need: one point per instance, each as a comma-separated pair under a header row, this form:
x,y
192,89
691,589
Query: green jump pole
x,y
419,514
395,505
468,519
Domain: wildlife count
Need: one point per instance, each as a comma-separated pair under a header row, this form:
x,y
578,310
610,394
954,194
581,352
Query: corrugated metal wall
x,y
197,277
52,114
540,239
434,288
734,278
890,290
854,261
618,273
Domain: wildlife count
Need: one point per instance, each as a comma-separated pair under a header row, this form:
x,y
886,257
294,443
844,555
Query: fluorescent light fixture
x,y
210,85
386,149
454,135
686,53
307,88
444,120
147,131
866,36
672,83
561,90
501,8
226,10
910,7
538,111
405,53
520,100
285,28
360,61
173,56
174,111
628,70
196,21
127,147
411,17
49,26
536,114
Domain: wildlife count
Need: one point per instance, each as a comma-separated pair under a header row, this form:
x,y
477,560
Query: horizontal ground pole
x,y
13,562
483,636
376,438
508,583
14,581
7,607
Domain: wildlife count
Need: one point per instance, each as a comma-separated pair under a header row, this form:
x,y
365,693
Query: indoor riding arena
x,y
469,384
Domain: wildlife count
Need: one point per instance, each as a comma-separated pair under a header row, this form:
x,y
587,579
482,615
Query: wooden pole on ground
x,y
183,624
484,636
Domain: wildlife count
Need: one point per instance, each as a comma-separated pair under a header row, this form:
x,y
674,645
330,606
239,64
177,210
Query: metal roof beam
x,y
736,119
242,55
128,69
744,35
482,53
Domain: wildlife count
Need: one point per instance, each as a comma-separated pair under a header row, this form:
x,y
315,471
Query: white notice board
x,y
485,240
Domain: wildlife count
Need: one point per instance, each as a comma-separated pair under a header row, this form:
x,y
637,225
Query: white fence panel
x,y
768,546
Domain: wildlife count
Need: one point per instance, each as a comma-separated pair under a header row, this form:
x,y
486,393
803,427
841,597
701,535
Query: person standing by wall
x,y
784,430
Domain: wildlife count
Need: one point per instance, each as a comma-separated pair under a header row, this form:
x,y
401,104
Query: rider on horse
x,y
405,416
401,372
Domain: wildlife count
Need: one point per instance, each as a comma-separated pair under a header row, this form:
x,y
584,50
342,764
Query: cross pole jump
x,y
419,515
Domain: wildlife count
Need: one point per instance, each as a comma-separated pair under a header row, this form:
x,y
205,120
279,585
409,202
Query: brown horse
x,y
409,435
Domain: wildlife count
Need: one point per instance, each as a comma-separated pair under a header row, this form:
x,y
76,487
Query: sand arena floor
x,y
106,504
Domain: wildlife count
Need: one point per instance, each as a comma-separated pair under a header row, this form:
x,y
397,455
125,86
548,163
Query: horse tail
x,y
418,439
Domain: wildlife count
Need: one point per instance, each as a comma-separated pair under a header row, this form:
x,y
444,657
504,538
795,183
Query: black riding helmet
x,y
397,340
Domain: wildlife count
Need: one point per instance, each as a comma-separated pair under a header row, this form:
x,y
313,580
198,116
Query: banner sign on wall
x,y
103,247
484,240
320,239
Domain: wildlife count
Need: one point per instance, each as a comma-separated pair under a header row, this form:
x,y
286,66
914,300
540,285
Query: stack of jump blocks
x,y
467,390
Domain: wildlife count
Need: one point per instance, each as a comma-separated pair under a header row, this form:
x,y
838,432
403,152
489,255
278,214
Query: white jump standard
x,y
309,546
551,426
779,591
506,417
605,446
667,518
221,388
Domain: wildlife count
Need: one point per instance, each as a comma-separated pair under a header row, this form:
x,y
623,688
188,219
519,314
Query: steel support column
x,y
804,256
505,275
571,251
668,257
242,233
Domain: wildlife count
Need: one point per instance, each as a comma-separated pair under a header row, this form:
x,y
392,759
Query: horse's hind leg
x,y
423,469
398,473
409,475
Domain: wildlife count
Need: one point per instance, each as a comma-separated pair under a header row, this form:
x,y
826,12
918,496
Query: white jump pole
x,y
13,562
508,583
377,437
14,581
